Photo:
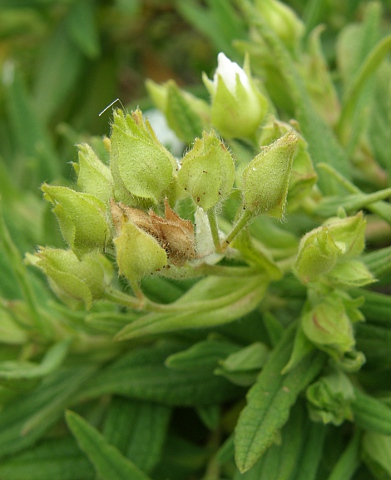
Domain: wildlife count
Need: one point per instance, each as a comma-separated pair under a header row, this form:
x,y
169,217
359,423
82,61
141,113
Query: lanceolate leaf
x,y
138,429
26,420
51,459
270,400
213,301
107,460
143,375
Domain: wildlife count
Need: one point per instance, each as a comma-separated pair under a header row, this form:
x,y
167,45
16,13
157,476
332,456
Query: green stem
x,y
368,68
243,220
214,229
381,208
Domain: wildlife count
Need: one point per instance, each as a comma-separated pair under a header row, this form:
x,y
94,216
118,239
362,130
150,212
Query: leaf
x,y
212,301
29,133
26,419
141,374
108,461
371,414
297,454
138,429
15,374
349,460
202,355
376,453
270,399
82,27
58,459
57,74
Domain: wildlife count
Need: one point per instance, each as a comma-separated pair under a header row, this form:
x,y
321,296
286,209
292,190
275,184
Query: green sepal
x,y
266,178
82,218
74,280
207,171
141,166
330,398
138,253
93,176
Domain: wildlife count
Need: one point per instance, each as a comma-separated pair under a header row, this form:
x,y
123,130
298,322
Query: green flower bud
x,y
266,178
283,20
303,176
186,114
321,250
328,326
94,177
330,398
138,252
141,167
238,107
207,171
82,218
71,279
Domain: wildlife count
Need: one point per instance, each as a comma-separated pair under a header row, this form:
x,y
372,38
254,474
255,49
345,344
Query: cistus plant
x,y
222,315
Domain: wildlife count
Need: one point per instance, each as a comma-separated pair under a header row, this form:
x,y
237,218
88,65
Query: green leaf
x,y
371,414
212,301
185,122
270,399
205,354
57,74
82,27
137,429
29,133
16,374
26,419
108,461
58,459
376,453
141,374
297,454
349,461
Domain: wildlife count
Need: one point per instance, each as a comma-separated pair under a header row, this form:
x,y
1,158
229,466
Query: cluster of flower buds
x,y
126,209
328,263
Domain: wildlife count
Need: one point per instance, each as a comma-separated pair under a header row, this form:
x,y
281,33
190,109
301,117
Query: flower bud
x,y
207,171
303,176
283,20
71,279
266,178
94,177
328,326
173,234
330,398
82,218
325,251
186,114
138,252
238,107
141,167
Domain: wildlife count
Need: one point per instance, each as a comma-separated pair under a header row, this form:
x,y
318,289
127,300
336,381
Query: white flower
x,y
238,107
228,71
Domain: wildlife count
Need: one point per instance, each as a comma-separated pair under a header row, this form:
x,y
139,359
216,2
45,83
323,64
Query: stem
x,y
381,208
214,229
122,298
244,218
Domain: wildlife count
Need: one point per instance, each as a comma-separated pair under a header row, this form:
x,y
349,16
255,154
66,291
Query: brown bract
x,y
173,233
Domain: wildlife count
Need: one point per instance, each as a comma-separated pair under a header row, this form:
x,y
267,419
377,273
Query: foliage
x,y
211,296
